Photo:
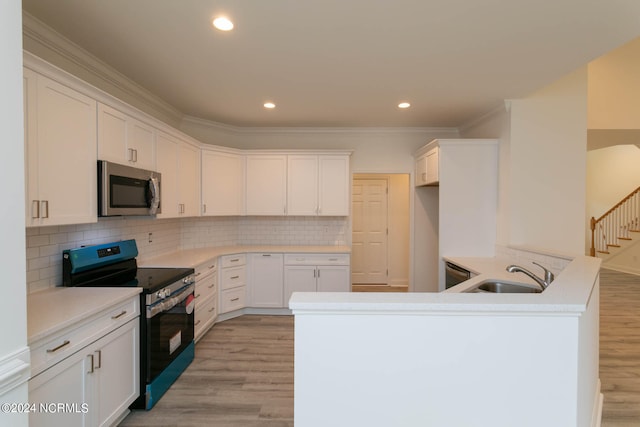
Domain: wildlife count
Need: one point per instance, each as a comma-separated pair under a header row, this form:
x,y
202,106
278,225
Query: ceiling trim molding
x,y
499,109
40,33
315,130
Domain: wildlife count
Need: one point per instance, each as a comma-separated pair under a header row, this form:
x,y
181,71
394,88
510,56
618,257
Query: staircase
x,y
618,225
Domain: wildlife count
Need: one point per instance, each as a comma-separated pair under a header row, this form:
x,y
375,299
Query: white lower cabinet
x,y
92,387
232,282
316,273
266,280
206,296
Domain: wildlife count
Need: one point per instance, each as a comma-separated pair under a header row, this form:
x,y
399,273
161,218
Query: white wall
x,y
13,315
547,193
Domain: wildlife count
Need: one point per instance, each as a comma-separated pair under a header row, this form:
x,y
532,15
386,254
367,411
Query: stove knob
x,y
188,280
159,294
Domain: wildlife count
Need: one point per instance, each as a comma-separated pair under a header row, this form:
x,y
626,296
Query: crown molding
x,y
315,130
40,33
498,110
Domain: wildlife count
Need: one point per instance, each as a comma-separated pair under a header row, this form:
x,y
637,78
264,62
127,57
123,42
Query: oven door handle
x,y
169,303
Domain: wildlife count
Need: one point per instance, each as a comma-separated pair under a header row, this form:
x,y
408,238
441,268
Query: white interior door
x,y
369,240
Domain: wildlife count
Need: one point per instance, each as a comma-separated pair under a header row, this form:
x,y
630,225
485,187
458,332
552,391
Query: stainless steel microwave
x,y
124,190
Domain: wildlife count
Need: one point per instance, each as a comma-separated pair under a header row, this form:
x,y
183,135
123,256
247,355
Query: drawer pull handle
x,y
266,255
53,350
235,299
234,277
212,266
99,359
197,323
197,296
212,309
211,286
198,274
333,259
117,316
92,365
234,260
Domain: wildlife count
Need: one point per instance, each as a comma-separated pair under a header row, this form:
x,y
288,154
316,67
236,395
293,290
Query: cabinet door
x,y
266,185
432,164
65,382
266,286
334,185
222,183
65,155
298,278
333,278
189,179
125,140
116,362
167,165
421,170
302,185
32,202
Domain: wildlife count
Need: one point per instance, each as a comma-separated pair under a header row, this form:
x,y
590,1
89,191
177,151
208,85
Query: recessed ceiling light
x,y
404,105
269,105
223,23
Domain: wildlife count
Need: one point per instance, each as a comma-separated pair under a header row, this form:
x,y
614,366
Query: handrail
x,y
618,221
618,204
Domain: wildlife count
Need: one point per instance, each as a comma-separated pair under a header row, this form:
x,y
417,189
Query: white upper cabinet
x,y
124,139
266,184
189,179
318,185
179,165
334,186
302,185
222,183
60,153
427,167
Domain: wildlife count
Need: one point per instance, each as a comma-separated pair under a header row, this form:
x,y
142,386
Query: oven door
x,y
169,330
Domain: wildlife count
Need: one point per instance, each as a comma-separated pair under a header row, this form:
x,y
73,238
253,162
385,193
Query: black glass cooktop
x,y
153,279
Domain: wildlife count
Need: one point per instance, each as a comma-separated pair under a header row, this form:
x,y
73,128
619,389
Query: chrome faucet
x,y
548,275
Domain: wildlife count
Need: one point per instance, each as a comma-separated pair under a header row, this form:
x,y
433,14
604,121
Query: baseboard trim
x,y
596,417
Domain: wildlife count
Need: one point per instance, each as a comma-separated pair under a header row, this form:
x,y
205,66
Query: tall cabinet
x,y
461,197
60,153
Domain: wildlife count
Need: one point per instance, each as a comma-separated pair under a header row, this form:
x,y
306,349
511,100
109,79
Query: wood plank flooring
x,y
620,348
242,376
243,371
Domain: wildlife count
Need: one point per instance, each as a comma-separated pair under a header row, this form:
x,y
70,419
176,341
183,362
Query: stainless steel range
x,y
167,319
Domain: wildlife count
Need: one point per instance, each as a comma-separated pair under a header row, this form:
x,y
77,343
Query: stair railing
x,y
616,224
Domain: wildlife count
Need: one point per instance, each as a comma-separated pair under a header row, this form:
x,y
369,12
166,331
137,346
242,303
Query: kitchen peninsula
x,y
452,358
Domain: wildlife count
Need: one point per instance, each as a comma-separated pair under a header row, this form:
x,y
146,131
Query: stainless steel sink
x,y
504,287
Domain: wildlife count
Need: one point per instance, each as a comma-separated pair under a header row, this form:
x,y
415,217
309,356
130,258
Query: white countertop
x,y
53,309
194,257
569,293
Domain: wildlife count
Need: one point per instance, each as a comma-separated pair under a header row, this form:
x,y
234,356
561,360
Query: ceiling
x,y
342,62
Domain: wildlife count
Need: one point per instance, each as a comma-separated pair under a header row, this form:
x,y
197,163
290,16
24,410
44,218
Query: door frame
x,y
410,191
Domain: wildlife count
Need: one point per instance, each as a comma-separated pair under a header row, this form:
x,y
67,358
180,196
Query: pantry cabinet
x,y
124,139
222,183
266,184
60,153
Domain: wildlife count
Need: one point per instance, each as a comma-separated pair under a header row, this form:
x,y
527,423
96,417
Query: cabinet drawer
x,y
205,288
316,259
233,260
205,315
232,277
206,268
50,350
232,299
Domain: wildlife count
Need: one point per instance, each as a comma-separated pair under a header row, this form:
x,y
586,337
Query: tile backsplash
x,y
158,236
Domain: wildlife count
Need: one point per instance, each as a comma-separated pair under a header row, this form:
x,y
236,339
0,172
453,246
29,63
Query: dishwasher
x,y
454,274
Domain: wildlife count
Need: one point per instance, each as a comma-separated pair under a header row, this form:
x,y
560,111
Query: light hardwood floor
x,y
243,371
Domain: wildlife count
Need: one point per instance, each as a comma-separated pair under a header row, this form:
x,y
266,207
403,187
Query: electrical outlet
x,y
150,238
